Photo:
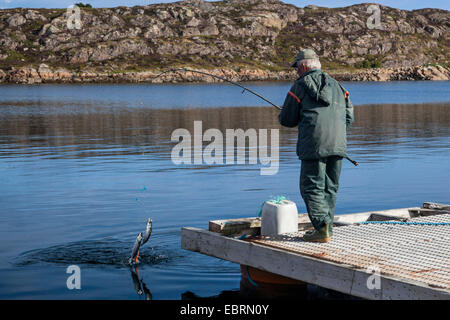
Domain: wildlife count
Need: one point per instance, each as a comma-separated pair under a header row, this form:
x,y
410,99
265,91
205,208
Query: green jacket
x,y
321,109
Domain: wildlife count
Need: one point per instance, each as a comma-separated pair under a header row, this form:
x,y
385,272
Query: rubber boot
x,y
321,235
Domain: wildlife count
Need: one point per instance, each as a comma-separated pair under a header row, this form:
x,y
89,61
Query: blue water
x,y
82,167
170,96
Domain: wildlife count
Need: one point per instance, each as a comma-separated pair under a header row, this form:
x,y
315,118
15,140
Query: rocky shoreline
x,y
242,40
45,74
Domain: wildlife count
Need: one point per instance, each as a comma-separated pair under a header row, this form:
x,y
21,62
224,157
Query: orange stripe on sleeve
x,y
295,97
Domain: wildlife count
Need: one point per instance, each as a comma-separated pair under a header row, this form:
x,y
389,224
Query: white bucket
x,y
279,218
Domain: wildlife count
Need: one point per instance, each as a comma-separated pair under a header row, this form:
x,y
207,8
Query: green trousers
x,y
319,183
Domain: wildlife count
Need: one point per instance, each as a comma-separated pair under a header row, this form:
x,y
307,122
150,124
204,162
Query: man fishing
x,y
322,110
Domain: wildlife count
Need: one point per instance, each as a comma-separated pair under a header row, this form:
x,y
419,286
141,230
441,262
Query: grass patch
x,y
14,56
337,67
444,65
368,63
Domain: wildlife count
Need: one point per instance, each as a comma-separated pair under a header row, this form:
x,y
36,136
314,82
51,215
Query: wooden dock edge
x,y
252,225
339,277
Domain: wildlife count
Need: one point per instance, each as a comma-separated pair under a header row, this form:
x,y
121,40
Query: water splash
x,y
97,252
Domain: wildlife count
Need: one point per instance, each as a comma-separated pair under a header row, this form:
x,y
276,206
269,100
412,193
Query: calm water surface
x,y
83,166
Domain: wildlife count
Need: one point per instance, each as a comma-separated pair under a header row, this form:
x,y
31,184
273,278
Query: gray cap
x,y
304,54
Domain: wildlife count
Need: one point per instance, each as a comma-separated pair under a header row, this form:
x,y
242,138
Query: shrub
x,y
369,62
82,5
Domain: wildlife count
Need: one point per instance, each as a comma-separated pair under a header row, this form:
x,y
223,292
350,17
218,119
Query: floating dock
x,y
372,255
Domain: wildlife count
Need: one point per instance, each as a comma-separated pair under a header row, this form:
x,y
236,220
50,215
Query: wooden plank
x,y
339,277
234,226
251,225
248,225
391,214
421,212
395,214
436,206
346,219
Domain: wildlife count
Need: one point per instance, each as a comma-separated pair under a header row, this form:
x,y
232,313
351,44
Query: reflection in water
x,y
139,284
273,292
377,129
392,123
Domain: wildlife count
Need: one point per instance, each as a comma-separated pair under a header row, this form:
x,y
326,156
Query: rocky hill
x,y
241,39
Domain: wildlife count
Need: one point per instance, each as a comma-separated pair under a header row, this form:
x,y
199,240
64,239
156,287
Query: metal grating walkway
x,y
413,252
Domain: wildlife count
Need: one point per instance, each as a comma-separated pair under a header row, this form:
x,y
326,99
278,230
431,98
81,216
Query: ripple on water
x,y
97,252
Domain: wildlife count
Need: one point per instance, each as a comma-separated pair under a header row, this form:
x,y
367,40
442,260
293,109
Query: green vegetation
x,y
82,5
369,62
14,56
241,23
337,67
29,44
444,65
128,18
130,68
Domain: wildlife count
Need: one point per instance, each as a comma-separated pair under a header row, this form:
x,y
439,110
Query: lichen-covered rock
x,y
45,73
2,76
16,20
26,75
34,15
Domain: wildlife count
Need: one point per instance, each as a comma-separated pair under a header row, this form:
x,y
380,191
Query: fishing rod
x,y
223,79
236,84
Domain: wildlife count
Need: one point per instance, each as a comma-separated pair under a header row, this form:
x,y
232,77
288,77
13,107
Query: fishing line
x,y
223,79
138,199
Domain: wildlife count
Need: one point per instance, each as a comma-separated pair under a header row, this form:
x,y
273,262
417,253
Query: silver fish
x,y
135,252
148,231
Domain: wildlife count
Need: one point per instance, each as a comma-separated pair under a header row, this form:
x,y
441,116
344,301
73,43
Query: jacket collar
x,y
308,72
